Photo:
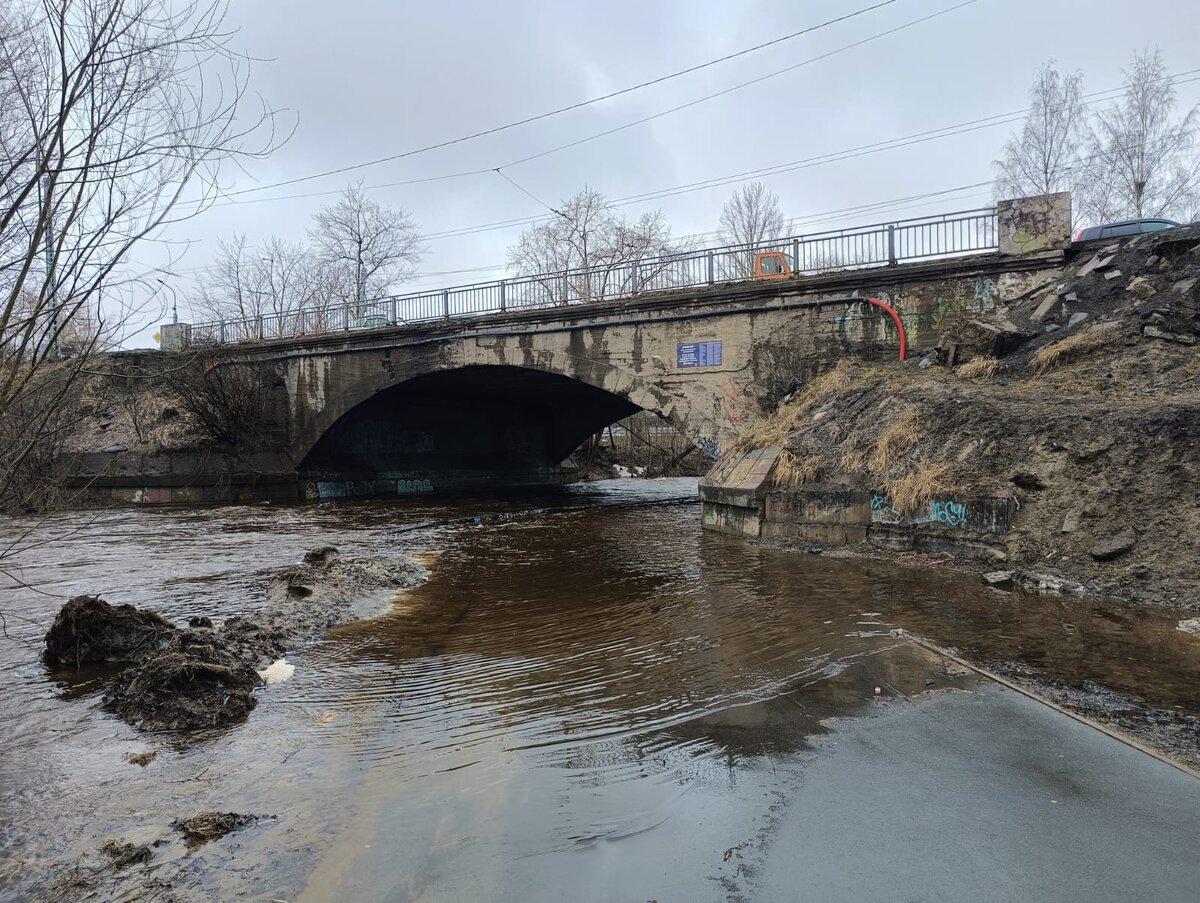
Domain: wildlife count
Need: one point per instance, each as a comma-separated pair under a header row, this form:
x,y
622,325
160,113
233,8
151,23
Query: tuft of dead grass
x,y
776,429
1071,348
896,439
918,486
791,470
855,460
980,368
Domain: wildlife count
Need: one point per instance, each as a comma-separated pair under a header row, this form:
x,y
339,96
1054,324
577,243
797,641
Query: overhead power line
x,y
569,107
579,141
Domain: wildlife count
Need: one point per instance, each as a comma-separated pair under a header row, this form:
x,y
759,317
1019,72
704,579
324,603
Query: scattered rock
x,y
1191,625
1155,332
1112,547
88,629
1141,287
1076,318
1050,583
1043,309
1112,274
200,829
1185,286
999,579
1070,523
197,622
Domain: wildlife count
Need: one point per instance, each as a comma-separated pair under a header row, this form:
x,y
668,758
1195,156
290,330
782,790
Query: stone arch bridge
x,y
503,400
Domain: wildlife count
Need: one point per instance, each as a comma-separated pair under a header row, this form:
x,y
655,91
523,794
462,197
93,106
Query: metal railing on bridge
x,y
948,235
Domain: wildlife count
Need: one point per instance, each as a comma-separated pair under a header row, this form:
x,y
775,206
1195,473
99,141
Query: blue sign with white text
x,y
699,354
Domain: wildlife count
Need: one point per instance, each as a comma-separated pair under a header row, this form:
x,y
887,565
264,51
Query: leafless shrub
x,y
227,400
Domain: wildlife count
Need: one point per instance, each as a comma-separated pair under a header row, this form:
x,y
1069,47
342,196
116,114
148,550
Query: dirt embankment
x,y
202,675
1081,403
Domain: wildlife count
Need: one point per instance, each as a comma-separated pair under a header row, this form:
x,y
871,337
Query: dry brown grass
x,y
895,440
791,470
918,486
1071,348
980,368
855,460
776,429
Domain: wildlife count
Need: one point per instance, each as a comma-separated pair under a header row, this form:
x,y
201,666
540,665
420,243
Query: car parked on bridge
x,y
370,321
1125,228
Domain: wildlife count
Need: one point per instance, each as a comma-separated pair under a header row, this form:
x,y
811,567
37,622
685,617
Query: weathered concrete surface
x,y
1034,224
503,400
741,501
352,414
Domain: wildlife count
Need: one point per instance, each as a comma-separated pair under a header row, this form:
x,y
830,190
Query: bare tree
x,y
279,280
115,116
752,217
379,245
1141,159
587,251
1043,157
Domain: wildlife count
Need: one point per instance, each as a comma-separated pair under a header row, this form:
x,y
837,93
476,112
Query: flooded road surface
x,y
602,703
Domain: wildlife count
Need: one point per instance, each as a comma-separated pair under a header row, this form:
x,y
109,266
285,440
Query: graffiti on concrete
x,y
709,446
946,512
408,487
963,299
952,514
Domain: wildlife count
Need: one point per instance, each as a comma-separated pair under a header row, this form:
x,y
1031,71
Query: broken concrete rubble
x,y
1113,547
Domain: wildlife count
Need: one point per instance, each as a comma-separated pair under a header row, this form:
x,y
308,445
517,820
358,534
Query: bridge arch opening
x,y
459,429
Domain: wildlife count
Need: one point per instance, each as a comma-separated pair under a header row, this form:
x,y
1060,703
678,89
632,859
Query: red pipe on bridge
x,y
896,319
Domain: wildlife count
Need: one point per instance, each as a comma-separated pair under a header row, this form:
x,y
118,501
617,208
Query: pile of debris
x,y
202,675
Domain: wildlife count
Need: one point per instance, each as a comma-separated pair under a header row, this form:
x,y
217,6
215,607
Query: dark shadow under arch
x,y
459,429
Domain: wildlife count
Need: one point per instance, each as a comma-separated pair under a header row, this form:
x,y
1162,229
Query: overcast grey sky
x,y
369,78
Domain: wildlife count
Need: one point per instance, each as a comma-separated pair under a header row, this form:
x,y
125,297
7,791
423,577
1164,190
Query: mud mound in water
x,y
200,829
205,676
88,629
187,687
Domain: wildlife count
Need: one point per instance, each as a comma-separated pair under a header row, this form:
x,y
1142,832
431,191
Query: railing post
x,y
446,303
710,267
346,316
795,255
258,328
222,332
503,299
566,289
891,238
395,318
633,279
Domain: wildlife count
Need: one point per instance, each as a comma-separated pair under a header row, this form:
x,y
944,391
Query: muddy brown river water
x,y
591,704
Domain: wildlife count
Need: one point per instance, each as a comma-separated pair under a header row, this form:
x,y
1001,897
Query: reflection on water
x,y
560,682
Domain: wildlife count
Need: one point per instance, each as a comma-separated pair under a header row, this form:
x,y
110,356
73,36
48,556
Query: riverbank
x,y
1054,442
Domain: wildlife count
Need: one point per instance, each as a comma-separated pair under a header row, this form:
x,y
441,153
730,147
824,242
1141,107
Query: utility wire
x,y
574,106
